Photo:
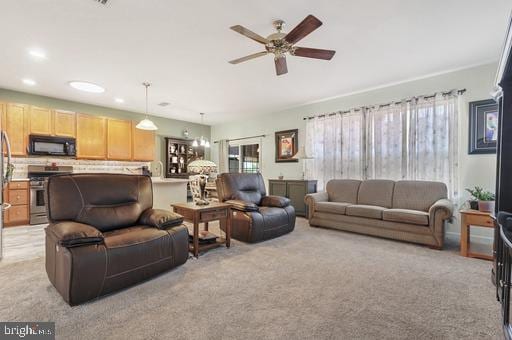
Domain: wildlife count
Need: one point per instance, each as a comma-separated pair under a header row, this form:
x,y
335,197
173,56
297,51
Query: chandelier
x,y
201,141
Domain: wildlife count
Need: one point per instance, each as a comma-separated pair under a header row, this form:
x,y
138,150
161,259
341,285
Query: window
x,y
244,158
414,139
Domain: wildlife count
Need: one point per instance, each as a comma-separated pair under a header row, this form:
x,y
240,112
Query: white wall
x,y
474,169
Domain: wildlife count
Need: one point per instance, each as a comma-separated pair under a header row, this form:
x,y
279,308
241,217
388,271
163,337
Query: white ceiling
x,y
182,47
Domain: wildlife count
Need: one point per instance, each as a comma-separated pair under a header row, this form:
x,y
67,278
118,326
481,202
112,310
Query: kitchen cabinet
x,y
91,137
17,194
295,190
64,123
143,144
119,138
39,121
13,122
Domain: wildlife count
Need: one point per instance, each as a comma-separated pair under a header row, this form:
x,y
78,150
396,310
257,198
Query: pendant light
x,y
201,141
146,124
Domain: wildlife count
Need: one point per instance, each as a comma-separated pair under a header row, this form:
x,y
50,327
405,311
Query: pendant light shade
x,y
146,124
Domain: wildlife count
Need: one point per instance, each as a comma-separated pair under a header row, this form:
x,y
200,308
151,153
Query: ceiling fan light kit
x,y
280,44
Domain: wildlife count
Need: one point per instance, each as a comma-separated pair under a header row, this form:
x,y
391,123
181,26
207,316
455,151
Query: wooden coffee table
x,y
196,214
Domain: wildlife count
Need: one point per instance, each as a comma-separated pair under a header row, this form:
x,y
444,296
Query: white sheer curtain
x,y
335,143
386,141
433,142
415,139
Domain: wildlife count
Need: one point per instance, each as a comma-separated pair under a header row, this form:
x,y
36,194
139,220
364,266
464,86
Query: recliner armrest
x,y
161,219
275,201
243,205
443,206
71,234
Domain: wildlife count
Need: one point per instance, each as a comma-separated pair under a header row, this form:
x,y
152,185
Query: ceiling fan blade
x,y
248,57
281,67
249,34
308,25
314,53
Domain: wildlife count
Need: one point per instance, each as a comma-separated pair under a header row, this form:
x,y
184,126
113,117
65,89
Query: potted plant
x,y
484,199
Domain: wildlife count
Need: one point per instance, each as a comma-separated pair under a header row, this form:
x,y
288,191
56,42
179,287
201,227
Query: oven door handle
x,y
37,187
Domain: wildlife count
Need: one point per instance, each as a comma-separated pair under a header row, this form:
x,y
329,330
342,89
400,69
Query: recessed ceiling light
x,y
29,82
86,86
39,54
119,100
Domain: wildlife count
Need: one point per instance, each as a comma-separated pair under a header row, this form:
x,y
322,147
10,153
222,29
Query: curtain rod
x,y
230,140
459,92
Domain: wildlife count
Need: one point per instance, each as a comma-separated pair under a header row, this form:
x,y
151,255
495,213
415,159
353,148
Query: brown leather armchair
x,y
104,235
256,216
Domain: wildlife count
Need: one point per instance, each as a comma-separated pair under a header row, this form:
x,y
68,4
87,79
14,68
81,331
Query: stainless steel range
x,y
38,175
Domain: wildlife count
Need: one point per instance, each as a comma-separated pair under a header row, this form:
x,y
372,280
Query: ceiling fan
x,y
282,43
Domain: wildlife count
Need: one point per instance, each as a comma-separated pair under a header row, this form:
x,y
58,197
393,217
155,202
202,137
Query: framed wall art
x,y
483,126
287,145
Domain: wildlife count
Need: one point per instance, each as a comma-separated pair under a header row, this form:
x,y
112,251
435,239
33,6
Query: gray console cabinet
x,y
295,190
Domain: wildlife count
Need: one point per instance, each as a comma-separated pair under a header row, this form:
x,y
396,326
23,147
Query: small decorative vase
x,y
473,205
486,206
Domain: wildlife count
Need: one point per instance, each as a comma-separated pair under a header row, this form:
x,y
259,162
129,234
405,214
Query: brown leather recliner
x,y
104,235
256,216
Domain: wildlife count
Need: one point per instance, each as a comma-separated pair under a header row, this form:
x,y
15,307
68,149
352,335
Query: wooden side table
x,y
196,214
473,218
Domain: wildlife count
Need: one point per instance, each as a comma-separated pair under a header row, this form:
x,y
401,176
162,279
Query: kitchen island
x,y
167,191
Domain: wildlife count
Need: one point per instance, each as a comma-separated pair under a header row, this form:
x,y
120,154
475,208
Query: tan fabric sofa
x,y
413,211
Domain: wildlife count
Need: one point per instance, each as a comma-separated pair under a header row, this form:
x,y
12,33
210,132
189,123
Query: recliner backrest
x,y
105,201
244,187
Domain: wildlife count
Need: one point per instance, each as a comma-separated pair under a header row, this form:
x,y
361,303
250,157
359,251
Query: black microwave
x,y
51,146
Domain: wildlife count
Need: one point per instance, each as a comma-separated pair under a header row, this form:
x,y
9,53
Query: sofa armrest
x,y
242,205
312,199
439,212
71,234
275,201
442,208
161,219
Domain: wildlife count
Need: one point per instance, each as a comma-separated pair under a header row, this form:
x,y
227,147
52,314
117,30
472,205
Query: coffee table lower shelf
x,y
207,246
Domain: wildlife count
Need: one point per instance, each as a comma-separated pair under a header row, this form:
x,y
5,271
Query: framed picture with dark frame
x,y
483,126
287,145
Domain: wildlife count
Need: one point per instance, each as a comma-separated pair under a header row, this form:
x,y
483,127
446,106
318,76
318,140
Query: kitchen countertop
x,y
158,180
19,180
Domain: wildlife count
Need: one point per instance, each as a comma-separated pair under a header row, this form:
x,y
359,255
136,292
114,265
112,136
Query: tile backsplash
x,y
79,165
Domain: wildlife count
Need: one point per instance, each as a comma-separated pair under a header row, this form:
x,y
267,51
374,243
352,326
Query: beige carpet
x,y
311,284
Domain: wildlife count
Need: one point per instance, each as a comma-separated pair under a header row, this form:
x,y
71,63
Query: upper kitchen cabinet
x,y
91,137
119,137
64,123
143,144
13,122
39,121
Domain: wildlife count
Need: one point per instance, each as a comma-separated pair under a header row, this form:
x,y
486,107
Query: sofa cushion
x,y
417,195
343,190
332,207
368,211
406,216
377,192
